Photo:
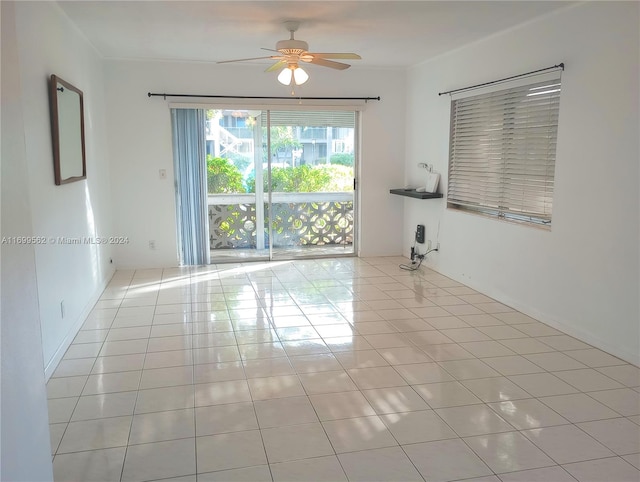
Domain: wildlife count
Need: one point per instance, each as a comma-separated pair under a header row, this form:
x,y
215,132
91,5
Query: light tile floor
x,y
332,370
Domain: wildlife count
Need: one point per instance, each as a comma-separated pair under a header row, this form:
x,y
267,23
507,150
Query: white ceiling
x,y
387,34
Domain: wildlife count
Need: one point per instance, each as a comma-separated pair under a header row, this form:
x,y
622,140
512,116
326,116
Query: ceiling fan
x,y
291,52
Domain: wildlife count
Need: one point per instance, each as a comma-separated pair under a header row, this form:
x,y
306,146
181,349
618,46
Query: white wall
x,y
581,276
26,450
140,145
48,43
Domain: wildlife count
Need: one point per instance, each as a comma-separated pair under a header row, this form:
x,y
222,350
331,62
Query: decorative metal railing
x,y
299,219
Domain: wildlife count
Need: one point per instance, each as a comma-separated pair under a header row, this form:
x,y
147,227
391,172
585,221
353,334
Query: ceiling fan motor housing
x,y
292,46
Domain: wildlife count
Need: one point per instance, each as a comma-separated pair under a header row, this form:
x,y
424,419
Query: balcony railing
x,y
299,219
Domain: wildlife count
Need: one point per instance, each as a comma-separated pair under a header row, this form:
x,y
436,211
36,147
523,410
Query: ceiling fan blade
x,y
269,50
277,66
244,60
329,63
343,55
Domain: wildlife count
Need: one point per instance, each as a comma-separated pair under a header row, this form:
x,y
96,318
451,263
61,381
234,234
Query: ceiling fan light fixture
x,y
300,76
285,76
293,74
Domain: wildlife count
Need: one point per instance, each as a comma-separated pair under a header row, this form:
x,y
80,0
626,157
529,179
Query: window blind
x,y
325,118
502,152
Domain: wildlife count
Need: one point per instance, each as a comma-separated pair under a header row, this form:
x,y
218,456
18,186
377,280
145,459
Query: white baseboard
x,y
66,343
562,325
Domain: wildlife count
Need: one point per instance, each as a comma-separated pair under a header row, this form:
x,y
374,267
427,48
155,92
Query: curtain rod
x,y
559,66
261,97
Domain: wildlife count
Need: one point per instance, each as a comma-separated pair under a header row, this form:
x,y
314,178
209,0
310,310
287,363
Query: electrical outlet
x,y
428,245
438,247
162,173
152,244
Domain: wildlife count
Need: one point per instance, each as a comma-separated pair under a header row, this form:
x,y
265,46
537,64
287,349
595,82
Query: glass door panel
x,y
236,208
310,178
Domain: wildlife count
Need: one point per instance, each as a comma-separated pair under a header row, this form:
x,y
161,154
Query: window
x,y
502,152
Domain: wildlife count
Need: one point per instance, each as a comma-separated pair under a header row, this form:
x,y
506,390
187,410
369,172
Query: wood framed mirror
x,y
67,131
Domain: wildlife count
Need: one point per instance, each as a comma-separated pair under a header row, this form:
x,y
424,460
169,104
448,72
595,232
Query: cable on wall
x,y
559,66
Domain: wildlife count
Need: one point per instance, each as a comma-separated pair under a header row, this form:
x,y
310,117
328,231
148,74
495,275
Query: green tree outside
x,y
283,138
223,177
342,159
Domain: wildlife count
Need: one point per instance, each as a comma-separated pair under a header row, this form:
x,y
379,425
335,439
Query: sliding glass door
x,y
280,183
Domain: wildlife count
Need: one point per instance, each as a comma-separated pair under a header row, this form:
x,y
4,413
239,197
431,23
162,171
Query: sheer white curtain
x,y
190,167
